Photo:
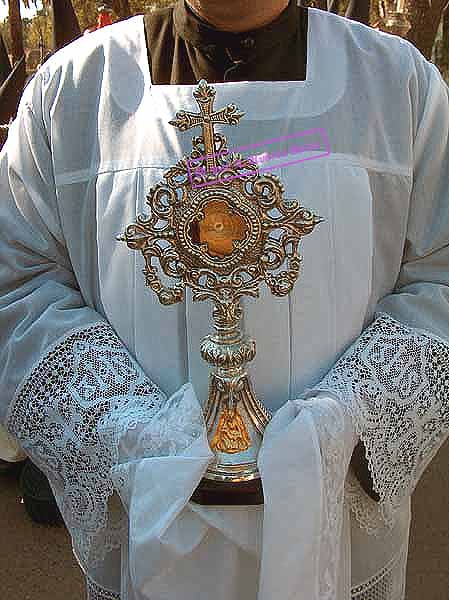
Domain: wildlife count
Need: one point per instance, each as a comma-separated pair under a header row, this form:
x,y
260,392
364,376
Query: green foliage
x,y
4,30
37,31
86,13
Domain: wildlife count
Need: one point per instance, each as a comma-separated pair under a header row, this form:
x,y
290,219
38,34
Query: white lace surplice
x,y
102,386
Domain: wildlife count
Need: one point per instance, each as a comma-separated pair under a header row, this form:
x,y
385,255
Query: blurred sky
x,y
25,12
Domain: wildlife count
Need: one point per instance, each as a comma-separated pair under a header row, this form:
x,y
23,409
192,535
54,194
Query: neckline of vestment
x,y
323,87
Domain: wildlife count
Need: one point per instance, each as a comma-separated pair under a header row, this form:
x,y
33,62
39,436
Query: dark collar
x,y
200,34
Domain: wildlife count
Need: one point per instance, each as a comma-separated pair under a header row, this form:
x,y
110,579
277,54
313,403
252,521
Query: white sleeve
x,y
395,377
62,367
72,394
39,297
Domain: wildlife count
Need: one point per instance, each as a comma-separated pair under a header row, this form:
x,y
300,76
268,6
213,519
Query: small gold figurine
x,y
221,228
232,435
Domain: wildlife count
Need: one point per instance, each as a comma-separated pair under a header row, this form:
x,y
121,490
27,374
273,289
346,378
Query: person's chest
x,y
329,158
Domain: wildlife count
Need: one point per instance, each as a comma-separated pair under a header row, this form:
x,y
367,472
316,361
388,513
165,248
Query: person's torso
x,y
112,142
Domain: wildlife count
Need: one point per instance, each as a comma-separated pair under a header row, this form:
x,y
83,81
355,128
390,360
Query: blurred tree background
x,y
429,21
36,32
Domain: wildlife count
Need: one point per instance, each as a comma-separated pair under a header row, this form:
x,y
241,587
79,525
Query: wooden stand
x,y
210,492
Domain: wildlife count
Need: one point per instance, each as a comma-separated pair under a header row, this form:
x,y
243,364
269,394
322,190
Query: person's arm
x,y
395,377
77,401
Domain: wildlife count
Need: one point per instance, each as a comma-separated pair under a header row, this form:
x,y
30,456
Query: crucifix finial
x,y
204,94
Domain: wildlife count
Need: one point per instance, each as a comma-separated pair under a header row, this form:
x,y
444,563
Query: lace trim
x,y
388,584
367,512
71,414
332,425
94,592
395,382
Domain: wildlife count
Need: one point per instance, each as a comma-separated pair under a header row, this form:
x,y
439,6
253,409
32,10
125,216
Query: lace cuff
x,y
94,592
334,433
394,380
388,583
73,414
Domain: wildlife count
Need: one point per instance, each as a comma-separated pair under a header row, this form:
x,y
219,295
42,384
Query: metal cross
x,y
229,115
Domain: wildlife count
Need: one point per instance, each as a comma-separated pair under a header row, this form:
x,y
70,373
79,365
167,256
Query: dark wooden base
x,y
211,492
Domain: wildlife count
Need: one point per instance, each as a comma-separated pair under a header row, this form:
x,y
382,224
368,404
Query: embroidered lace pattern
x,y
395,382
96,593
331,423
367,512
71,414
388,584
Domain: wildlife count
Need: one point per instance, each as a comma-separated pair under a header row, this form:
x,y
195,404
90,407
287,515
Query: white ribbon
x,y
164,528
295,565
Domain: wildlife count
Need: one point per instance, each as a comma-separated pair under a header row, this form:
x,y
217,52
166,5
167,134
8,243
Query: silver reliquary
x,y
220,227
